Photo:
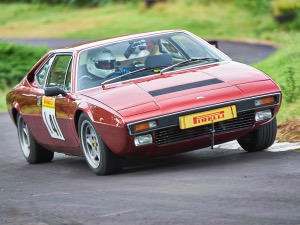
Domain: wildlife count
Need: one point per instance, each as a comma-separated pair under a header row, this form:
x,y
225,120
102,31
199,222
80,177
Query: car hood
x,y
180,90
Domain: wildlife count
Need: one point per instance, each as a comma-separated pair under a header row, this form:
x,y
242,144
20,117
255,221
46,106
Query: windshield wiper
x,y
128,74
192,60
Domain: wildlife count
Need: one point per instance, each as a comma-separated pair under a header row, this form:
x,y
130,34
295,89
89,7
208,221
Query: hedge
x,y
16,60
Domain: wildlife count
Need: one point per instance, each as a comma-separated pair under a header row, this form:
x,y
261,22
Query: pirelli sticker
x,y
49,117
207,117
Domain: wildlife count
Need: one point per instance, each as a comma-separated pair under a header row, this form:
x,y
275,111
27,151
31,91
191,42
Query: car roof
x,y
89,44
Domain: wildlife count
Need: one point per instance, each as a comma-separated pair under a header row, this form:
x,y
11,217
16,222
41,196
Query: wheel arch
x,y
15,113
76,119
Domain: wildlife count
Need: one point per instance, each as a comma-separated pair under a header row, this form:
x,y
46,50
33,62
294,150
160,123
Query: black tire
x,y
260,139
32,151
99,157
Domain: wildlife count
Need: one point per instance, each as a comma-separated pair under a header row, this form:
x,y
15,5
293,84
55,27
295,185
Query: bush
x,y
15,62
262,6
68,2
281,7
291,88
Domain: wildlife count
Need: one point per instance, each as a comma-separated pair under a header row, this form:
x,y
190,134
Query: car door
x,y
58,111
31,100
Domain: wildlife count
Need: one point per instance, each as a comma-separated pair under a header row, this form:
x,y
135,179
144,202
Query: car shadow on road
x,y
196,160
217,159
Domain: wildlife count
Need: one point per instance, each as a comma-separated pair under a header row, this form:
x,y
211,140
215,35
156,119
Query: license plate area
x,y
207,117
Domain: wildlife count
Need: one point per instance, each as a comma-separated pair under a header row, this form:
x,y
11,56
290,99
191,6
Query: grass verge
x,y
3,100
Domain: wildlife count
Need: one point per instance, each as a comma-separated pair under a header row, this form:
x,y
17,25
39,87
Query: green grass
x,y
206,20
277,66
3,100
217,19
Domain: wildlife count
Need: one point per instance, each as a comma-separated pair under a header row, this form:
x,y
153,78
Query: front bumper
x,y
168,131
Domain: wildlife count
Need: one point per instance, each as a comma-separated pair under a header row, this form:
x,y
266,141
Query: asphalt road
x,y
239,51
220,186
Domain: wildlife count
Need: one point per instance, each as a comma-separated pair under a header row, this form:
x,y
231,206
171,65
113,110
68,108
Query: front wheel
x,y
99,157
32,151
261,138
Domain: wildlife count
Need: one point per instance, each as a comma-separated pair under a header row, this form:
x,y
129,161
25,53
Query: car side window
x,y
40,78
68,77
60,74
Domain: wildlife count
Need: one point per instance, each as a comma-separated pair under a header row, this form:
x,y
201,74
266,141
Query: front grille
x,y
175,134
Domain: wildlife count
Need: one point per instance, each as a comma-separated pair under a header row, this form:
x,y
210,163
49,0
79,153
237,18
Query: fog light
x,y
263,115
143,140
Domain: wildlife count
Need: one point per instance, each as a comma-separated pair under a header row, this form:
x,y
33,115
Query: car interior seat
x,y
154,61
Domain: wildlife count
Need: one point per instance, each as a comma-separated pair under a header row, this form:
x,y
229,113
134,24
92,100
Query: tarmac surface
x,y
222,186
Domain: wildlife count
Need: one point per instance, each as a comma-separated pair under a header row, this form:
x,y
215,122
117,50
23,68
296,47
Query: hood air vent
x,y
185,87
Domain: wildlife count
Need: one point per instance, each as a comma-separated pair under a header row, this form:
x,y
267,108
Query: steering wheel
x,y
114,75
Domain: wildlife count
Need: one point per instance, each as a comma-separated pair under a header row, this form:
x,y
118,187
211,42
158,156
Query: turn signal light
x,y
264,101
145,126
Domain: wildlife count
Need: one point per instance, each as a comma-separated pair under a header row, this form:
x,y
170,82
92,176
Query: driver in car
x,y
100,62
100,65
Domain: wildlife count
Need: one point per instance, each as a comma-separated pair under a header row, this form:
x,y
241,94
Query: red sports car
x,y
145,95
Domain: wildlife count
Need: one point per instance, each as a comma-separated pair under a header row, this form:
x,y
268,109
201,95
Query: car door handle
x,y
39,101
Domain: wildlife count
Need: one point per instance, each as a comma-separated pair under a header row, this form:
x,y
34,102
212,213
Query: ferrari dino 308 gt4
x,y
146,95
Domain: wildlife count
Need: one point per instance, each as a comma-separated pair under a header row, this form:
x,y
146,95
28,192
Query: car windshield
x,y
142,57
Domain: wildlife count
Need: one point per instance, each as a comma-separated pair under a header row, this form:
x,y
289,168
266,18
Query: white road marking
x,y
276,147
283,146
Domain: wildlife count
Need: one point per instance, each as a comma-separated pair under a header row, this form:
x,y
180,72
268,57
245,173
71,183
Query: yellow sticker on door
x,y
48,102
49,117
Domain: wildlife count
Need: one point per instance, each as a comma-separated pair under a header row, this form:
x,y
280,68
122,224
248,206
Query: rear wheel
x,y
32,151
261,138
98,156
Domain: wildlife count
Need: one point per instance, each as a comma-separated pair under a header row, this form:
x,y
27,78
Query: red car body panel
x,y
114,107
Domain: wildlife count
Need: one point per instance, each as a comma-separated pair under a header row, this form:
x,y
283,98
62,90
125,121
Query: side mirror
x,y
54,91
214,43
